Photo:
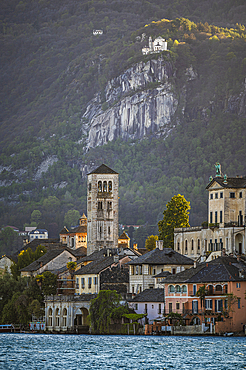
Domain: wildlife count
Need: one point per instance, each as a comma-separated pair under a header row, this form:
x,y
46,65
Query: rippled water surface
x,y
34,351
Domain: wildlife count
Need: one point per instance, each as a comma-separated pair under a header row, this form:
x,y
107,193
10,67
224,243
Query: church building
x,y
102,209
225,229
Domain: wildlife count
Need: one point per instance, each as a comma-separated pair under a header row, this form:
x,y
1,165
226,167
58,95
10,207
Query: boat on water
x,y
7,328
228,334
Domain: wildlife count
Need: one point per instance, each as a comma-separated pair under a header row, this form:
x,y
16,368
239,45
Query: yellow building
x,y
76,237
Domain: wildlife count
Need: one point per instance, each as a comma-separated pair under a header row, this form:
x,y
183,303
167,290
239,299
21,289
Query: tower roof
x,y
103,169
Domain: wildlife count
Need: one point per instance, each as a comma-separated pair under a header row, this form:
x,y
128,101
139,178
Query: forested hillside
x,y
52,66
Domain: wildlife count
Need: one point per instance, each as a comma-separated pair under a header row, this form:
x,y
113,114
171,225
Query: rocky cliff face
x,y
137,103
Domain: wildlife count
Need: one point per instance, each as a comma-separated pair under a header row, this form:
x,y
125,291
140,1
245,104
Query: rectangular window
x,y
194,306
146,308
232,195
239,303
77,283
140,270
221,195
216,195
216,217
226,304
221,217
177,306
170,307
136,306
159,311
89,283
136,270
95,280
208,304
132,289
82,283
211,196
211,217
240,194
194,289
238,285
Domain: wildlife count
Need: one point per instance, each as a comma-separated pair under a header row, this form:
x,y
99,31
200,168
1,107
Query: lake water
x,y
37,351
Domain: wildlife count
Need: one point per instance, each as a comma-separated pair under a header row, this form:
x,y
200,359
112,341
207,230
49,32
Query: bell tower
x,y
102,209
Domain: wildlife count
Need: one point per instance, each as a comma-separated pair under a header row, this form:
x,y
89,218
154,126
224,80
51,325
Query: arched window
x,y
192,245
105,187
57,317
110,186
171,289
50,320
177,289
64,317
210,289
178,247
184,289
186,245
100,186
225,288
198,244
218,288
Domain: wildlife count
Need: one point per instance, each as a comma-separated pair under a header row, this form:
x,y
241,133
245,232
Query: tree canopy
x,y
103,308
175,215
150,242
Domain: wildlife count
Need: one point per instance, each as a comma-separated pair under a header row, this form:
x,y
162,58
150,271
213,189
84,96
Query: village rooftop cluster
x,y
196,288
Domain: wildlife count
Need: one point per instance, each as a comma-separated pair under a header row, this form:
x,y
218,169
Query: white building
x,y
150,302
159,44
144,268
38,234
225,229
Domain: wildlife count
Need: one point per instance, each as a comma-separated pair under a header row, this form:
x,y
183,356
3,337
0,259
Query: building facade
x,y
159,44
76,237
211,293
144,268
225,228
102,209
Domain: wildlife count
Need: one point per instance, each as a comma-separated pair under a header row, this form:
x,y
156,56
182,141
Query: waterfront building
x,y
212,293
67,313
225,227
149,302
144,268
102,209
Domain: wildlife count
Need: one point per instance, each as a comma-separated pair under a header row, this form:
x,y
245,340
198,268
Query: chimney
x,y
159,244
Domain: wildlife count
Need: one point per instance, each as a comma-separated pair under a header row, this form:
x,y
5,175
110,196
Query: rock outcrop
x,y
139,102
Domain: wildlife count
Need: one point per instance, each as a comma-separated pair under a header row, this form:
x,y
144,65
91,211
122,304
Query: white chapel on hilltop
x,y
159,44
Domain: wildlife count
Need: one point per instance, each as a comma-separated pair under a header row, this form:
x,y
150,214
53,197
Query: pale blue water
x,y
30,351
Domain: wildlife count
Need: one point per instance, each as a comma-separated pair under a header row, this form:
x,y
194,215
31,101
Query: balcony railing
x,y
215,247
211,292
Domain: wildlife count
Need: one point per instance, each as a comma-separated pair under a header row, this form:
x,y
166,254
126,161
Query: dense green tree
x,y
9,241
25,257
176,214
150,242
101,309
48,282
36,216
71,218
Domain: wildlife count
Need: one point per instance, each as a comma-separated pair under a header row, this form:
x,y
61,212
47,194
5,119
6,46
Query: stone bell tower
x,y
102,209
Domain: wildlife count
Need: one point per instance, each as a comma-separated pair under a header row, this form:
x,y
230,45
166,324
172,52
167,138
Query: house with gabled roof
x,y
221,299
52,260
144,268
226,219
149,302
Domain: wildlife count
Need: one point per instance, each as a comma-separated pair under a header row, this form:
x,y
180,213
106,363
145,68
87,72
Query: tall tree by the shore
x,y
175,215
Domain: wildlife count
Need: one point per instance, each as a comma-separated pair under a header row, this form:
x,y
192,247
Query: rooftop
x,y
150,295
167,256
103,169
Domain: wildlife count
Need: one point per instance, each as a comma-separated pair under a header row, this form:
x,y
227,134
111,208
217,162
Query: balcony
x,y
215,247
